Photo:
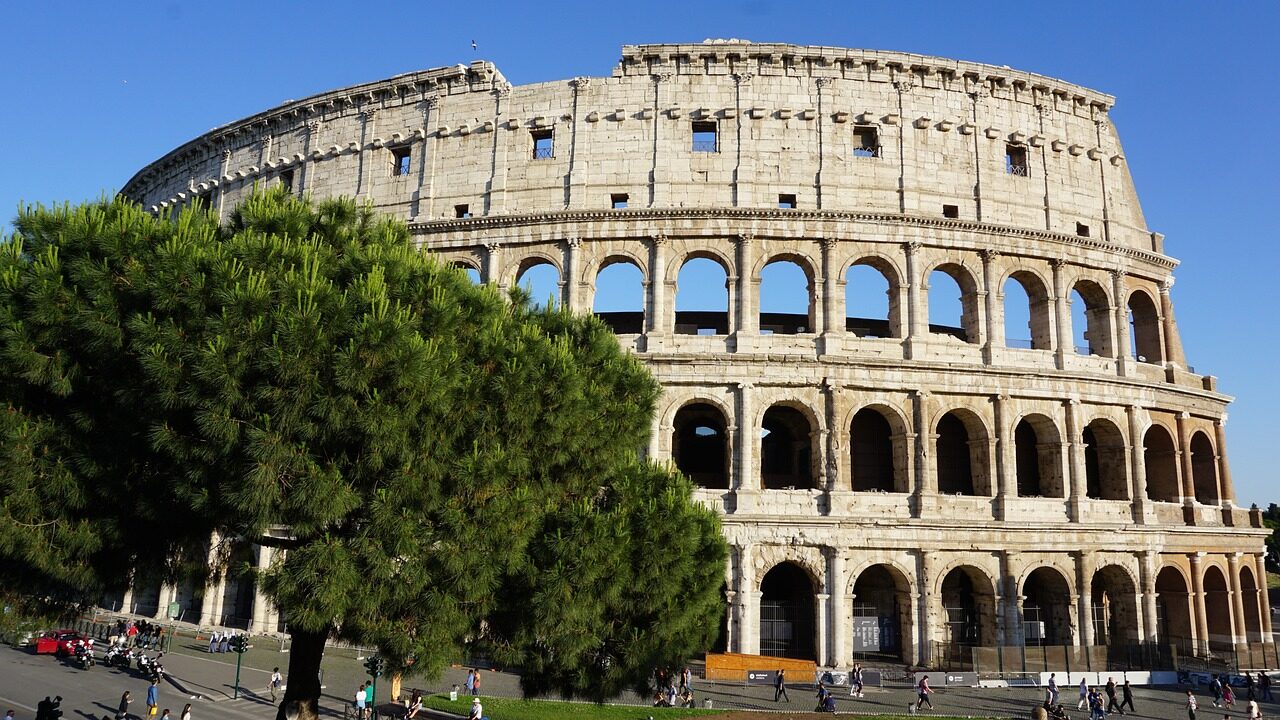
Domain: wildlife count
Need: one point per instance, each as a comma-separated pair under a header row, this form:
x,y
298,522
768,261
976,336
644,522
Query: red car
x,y
57,642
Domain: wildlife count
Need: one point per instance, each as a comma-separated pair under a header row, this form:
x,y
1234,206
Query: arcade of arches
x,y
837,606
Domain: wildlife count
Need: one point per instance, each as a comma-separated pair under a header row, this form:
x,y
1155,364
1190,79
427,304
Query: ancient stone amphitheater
x,y
896,488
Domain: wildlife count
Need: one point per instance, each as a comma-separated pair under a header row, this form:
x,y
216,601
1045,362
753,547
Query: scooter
x,y
84,656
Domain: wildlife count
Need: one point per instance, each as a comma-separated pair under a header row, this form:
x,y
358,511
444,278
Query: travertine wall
x,y
1144,500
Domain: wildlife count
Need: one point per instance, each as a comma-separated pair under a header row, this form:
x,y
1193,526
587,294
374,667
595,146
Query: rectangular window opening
x,y
618,201
286,180
866,142
951,211
1015,160
1082,230
787,202
462,212
704,136
543,145
401,158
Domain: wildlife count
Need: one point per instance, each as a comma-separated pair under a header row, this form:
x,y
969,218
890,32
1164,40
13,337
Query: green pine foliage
x,y
440,464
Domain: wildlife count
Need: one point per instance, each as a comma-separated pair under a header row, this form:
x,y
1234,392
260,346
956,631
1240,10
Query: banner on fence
x,y
761,677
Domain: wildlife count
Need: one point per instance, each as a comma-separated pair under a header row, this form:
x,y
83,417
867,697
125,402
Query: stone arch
x,y
778,316
1106,469
967,284
1038,457
595,264
788,617
788,447
471,269
1160,457
1092,317
704,319
1046,607
1144,321
887,323
530,268
878,452
969,605
625,314
1113,606
1173,600
1204,468
700,444
1038,310
1217,607
1252,609
882,597
961,451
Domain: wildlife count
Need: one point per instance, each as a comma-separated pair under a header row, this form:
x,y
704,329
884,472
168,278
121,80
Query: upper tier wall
x,y
787,120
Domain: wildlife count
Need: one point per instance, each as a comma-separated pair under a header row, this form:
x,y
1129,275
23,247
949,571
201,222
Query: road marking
x,y
15,703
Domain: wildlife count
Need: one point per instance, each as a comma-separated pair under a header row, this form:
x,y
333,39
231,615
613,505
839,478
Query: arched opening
x,y
969,604
1114,607
1217,609
1105,472
1252,608
953,303
1026,312
786,300
961,453
881,614
702,298
1046,612
619,297
541,280
472,274
1038,458
1091,319
1173,609
786,450
699,445
870,303
872,457
1204,469
1144,329
787,613
1160,460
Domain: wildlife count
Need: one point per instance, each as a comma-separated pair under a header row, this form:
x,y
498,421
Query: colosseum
x,y
897,486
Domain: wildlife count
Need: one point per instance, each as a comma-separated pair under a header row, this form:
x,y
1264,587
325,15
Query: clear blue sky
x,y
94,91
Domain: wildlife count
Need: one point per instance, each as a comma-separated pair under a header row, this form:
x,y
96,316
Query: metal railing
x,y
1019,170
871,152
543,153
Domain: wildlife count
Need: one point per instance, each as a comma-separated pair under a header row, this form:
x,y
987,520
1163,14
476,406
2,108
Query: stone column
x,y
835,458
839,628
1064,338
747,438
749,640
570,289
1074,605
364,166
126,600
925,603
1173,354
1147,576
261,606
1197,591
748,325
1003,461
821,602
215,585
1240,632
1137,465
1005,591
1184,456
917,318
1085,564
832,318
1264,606
1077,485
924,480
989,296
493,270
658,323
1226,490
1124,353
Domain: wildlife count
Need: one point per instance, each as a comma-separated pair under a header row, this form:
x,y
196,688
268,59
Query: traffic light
x,y
239,643
374,666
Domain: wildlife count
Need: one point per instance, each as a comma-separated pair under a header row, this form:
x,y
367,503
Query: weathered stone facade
x,y
964,491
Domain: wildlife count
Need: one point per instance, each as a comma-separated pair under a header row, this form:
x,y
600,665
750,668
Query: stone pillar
x,y
1184,459
493,271
215,585
821,603
570,287
365,165
1147,577
258,624
1173,353
746,302
1239,630
926,600
839,608
832,318
749,640
1003,461
917,318
1005,591
1074,623
1077,485
1226,490
168,594
1064,337
1124,353
658,323
989,295
1137,465
925,480
837,472
747,438
1198,604
1264,606
1086,564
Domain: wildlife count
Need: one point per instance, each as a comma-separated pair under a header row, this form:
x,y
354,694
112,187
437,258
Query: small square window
x,y
1082,230
618,201
1015,160
950,211
787,202
286,181
866,142
704,137
401,158
462,211
543,145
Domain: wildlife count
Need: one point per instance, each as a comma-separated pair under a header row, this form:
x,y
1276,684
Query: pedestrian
x,y
1254,712
9,715
855,687
214,639
415,705
1250,688
274,684
1228,695
822,696
780,686
1264,683
165,715
1095,704
224,645
1126,697
922,693
1112,704
1053,689
1084,695
471,681
123,711
477,710
475,687
360,701
186,712
686,679
1191,706
1217,690
153,698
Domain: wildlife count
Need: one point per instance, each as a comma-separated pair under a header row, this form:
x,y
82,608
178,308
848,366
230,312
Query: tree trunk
x,y
395,686
302,693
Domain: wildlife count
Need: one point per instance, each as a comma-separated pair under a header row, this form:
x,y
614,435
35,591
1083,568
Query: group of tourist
x,y
674,689
220,642
136,634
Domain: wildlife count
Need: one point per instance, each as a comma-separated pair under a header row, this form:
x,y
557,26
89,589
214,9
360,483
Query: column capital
x,y
744,239
493,247
988,254
1058,263
827,242
659,240
574,242
912,247
1166,285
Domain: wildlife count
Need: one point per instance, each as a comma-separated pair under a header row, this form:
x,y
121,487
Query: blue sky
x,y
96,90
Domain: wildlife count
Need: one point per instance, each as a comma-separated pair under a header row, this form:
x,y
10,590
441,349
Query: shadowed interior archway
x,y
1113,607
969,606
882,614
1161,462
1046,611
875,460
787,612
1173,609
786,450
700,446
1105,467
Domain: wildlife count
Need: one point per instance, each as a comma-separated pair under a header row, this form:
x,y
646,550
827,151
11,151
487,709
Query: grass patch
x,y
510,708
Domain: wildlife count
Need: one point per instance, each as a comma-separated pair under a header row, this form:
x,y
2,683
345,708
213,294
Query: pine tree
x,y
430,456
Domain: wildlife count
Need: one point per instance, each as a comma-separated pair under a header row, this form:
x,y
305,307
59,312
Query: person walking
x,y
1191,705
1053,689
1264,684
1250,688
1228,695
122,711
214,639
274,683
360,698
1084,695
780,686
186,712
1126,696
1216,686
855,687
922,693
153,698
475,686
165,715
1112,704
1253,712
471,681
